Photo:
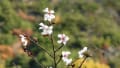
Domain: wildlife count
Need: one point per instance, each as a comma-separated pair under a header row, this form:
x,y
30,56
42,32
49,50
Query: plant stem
x,y
82,62
40,47
54,53
59,48
59,59
37,62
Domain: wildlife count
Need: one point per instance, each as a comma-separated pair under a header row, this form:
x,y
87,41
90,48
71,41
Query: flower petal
x,y
45,10
41,24
59,41
52,11
59,35
68,61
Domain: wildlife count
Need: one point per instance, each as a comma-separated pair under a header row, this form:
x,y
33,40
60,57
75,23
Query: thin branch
x,y
40,47
54,54
59,48
82,62
37,62
59,60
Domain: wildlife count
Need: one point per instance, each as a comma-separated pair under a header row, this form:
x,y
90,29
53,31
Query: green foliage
x,y
20,60
7,39
86,22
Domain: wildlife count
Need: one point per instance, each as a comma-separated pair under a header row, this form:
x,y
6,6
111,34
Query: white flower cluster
x,y
65,55
81,52
23,40
48,30
49,14
63,38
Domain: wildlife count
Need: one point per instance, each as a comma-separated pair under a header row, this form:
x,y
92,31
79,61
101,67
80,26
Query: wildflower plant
x,y
47,30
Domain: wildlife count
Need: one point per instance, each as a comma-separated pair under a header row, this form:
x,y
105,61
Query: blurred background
x,y
91,23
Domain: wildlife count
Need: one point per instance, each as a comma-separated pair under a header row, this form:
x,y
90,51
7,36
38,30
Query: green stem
x,y
59,48
37,62
40,47
82,62
59,59
54,53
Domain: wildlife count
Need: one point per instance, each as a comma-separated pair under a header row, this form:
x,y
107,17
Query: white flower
x,y
63,38
47,30
23,40
67,61
48,11
49,67
80,53
49,15
65,55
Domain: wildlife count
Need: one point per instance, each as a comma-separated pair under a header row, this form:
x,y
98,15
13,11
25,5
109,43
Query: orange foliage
x,y
6,52
10,51
27,32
